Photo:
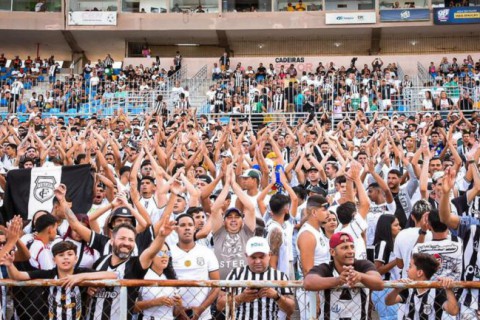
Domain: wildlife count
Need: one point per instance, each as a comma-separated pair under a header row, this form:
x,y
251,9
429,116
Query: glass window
x,y
349,5
198,6
401,4
145,6
5,5
307,5
84,5
247,5
31,5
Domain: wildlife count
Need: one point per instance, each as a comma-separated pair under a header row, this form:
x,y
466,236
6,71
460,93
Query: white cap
x,y
226,154
428,114
257,245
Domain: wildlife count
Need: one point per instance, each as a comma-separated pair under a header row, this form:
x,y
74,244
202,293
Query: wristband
x,y
278,297
422,232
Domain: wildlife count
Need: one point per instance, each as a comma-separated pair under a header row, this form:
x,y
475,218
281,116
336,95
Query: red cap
x,y
339,238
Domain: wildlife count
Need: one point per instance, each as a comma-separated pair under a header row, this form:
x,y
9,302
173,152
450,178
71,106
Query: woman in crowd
x,y
159,302
388,228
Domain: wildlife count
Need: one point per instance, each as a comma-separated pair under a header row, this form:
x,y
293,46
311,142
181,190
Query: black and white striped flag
x,y
31,190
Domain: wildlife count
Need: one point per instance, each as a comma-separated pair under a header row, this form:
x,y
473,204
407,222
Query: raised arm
x,y
166,228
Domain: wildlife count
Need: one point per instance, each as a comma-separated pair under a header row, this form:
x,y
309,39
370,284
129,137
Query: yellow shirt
x,y
290,8
300,7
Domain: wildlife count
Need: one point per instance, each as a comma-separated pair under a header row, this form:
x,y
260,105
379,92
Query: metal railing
x,y
307,308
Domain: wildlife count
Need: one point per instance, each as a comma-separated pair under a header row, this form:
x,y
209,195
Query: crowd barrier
x,y
29,299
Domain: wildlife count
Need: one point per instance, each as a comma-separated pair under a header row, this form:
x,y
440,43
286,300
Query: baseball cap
x,y
226,154
251,173
257,245
339,238
233,210
123,212
212,122
205,178
428,114
217,193
316,189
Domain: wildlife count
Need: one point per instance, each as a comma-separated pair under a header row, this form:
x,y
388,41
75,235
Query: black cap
x,y
217,193
233,210
123,212
316,189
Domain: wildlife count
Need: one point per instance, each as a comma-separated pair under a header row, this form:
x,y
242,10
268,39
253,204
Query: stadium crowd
x,y
177,196
194,199
239,89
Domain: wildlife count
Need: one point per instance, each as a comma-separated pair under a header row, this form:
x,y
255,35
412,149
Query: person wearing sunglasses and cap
x,y
343,270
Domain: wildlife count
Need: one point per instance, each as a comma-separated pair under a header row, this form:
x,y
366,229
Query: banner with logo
x,y
31,190
456,15
396,15
351,18
92,18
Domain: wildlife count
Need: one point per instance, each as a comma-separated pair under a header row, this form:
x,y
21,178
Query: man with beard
x,y
344,269
193,261
105,302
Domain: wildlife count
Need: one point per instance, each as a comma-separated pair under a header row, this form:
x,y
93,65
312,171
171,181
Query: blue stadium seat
x,y
3,102
54,110
27,86
225,120
22,108
41,78
3,70
73,110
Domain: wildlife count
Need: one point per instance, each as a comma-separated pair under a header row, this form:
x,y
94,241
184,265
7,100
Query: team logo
x,y
188,263
405,14
442,15
427,309
44,187
336,308
200,261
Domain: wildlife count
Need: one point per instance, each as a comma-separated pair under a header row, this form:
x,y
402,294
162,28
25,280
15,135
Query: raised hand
x,y
60,192
448,180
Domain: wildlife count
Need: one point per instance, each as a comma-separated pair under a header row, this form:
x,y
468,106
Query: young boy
x,y
66,299
427,304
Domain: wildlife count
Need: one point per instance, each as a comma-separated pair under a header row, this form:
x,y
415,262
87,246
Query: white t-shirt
x,y
403,246
150,293
194,264
376,210
355,229
448,252
41,256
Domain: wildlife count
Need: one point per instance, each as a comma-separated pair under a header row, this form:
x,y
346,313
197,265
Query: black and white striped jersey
x,y
106,303
339,304
427,305
264,308
63,303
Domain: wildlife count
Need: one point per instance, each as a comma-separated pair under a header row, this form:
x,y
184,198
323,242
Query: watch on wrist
x,y
278,296
422,232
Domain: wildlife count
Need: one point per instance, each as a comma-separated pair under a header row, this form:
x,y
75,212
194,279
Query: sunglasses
x,y
164,253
